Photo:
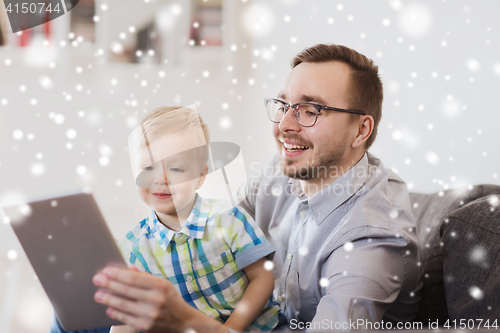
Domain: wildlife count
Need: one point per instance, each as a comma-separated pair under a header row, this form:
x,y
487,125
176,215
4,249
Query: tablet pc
x,y
67,241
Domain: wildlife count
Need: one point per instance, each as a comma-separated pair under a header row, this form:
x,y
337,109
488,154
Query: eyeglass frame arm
x,y
318,107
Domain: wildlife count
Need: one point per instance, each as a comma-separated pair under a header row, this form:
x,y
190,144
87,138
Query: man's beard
x,y
322,167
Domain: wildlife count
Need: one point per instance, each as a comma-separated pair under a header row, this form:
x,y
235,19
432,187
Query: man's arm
x,y
364,282
254,299
149,303
247,193
246,196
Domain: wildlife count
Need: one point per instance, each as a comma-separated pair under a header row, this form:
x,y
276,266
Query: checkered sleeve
x,y
127,246
247,241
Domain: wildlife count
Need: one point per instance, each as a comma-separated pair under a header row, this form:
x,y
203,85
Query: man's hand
x,y
148,303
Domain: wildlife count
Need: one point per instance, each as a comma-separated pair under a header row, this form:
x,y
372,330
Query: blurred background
x,y
73,89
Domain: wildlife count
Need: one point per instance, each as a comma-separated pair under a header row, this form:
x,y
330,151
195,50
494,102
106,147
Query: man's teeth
x,y
289,146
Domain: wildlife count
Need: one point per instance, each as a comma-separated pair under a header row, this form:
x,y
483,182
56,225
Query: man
x,y
346,244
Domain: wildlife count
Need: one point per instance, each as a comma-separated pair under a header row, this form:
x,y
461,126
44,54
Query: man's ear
x,y
203,176
365,129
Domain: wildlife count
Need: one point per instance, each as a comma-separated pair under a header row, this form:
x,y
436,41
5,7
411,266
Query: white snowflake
x,y
59,119
71,133
276,190
397,135
25,210
81,170
225,122
473,65
478,254
432,158
37,169
18,134
12,254
45,82
415,20
258,20
104,160
476,293
494,200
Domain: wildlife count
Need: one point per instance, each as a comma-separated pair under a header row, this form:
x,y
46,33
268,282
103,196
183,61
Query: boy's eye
x,y
148,168
176,170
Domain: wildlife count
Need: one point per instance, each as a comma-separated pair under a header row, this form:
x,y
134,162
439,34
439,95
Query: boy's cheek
x,y
143,193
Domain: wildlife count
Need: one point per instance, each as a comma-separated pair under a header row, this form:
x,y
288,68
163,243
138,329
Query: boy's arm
x,y
256,296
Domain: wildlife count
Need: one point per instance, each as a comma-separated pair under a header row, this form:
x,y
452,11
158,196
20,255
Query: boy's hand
x,y
148,303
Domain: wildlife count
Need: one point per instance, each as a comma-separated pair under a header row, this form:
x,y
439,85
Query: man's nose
x,y
288,123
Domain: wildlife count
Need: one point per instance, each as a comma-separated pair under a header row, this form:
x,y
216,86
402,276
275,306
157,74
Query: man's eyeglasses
x,y
306,114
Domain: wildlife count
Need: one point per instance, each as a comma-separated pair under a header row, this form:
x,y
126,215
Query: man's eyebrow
x,y
315,99
305,98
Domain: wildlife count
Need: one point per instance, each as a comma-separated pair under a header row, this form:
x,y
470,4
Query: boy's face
x,y
169,185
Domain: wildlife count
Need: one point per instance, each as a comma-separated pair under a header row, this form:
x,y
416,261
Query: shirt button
x,y
184,269
189,279
181,247
216,263
203,305
290,256
281,298
302,214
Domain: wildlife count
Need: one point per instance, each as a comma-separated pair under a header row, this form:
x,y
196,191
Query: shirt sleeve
x,y
246,196
361,281
247,241
126,248
247,193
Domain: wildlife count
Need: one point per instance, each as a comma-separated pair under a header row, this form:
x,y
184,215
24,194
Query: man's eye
x,y
148,168
176,170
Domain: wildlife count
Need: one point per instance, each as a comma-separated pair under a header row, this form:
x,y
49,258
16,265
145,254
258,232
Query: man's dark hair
x,y
366,92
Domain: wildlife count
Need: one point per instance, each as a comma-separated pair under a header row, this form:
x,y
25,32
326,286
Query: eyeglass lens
x,y
304,114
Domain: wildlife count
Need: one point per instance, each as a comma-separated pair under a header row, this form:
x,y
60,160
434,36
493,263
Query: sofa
x,y
459,235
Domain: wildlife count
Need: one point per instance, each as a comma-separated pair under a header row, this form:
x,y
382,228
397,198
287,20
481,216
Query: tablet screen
x,y
67,241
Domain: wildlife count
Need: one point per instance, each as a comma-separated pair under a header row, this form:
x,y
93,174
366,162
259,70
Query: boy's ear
x,y
202,177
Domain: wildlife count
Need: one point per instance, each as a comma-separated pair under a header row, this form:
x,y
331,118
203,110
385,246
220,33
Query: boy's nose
x,y
161,175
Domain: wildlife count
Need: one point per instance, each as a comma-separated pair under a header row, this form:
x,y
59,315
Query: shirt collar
x,y
331,197
197,220
161,233
194,226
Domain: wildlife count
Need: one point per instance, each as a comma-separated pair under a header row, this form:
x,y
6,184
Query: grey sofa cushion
x,y
471,256
429,211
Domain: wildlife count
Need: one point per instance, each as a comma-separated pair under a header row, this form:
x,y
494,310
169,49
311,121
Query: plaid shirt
x,y
205,259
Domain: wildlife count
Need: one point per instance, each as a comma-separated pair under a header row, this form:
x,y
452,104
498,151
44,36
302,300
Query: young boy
x,y
213,253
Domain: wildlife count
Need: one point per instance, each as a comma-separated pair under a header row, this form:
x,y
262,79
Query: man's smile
x,y
293,146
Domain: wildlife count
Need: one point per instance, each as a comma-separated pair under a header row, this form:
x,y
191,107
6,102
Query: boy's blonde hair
x,y
173,119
